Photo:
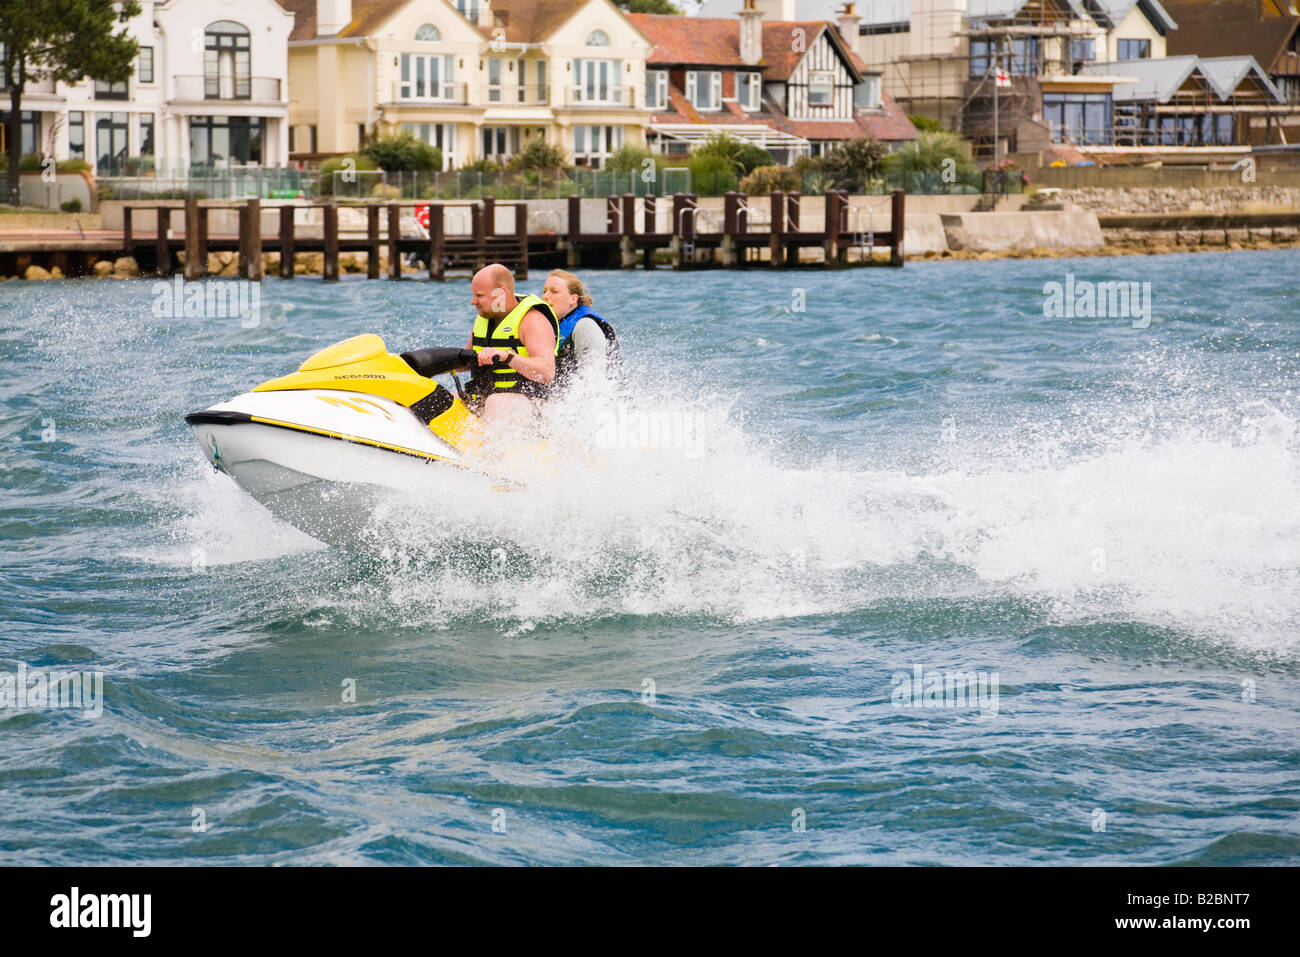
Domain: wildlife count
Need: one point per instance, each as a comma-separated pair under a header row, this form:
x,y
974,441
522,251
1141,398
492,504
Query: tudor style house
x,y
208,91
795,88
476,78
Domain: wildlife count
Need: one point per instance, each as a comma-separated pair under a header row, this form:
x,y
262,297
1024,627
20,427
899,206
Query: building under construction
x,y
1081,82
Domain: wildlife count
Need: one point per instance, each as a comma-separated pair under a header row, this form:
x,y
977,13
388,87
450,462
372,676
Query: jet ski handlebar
x,y
437,361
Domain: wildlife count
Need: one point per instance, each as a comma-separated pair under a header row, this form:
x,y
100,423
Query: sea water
x,y
868,566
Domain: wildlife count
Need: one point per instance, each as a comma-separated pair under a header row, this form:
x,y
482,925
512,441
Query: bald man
x,y
515,340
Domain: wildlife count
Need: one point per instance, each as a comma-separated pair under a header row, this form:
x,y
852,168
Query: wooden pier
x,y
167,237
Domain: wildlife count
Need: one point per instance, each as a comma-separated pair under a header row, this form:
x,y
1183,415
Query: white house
x,y
209,90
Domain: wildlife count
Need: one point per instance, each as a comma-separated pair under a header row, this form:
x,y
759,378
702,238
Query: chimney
x,y
751,34
848,21
332,16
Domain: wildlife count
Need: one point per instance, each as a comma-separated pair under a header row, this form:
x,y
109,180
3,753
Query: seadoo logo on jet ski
x,y
362,375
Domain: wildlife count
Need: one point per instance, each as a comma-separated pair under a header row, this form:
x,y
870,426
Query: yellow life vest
x,y
506,336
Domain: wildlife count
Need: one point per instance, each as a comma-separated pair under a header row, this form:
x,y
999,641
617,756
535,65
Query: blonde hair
x,y
576,288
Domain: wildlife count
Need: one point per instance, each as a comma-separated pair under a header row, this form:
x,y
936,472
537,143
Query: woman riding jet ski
x,y
317,447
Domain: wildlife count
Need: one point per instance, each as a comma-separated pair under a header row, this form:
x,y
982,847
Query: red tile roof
x,y
526,21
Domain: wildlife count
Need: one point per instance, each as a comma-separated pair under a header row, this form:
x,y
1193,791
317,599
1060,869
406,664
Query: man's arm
x,y
538,337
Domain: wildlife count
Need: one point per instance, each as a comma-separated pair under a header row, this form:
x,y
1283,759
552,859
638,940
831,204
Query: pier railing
x,y
461,237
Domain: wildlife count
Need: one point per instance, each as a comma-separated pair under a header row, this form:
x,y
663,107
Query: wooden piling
x,y
896,228
775,246
162,246
194,267
831,227
480,236
394,236
437,234
793,203
489,216
573,233
650,208
330,272
203,238
254,239
521,234
372,237
286,242
126,231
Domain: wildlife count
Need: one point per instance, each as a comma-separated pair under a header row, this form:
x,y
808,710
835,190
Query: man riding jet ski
x,y
318,446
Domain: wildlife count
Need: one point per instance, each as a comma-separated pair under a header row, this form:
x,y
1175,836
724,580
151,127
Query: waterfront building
x,y
476,78
793,87
208,92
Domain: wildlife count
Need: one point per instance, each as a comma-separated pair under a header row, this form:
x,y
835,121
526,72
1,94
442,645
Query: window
x,y
145,69
1024,56
469,9
981,58
30,123
110,91
656,89
110,143
500,140
427,77
312,130
541,82
596,81
428,33
1082,51
1134,49
226,61
749,88
704,89
361,135
598,38
76,135
1080,118
521,91
146,134
226,140
594,144
494,80
821,89
866,95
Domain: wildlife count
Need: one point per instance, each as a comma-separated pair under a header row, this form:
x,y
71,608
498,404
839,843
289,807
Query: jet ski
x,y
321,447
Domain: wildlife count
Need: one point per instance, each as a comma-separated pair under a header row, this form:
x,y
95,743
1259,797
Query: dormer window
x,y
704,89
598,38
749,87
866,95
428,34
821,87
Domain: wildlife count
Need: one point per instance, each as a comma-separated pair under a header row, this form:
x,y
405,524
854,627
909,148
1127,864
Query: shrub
x,y
764,179
481,166
712,174
402,151
740,158
337,164
629,158
71,206
385,191
937,159
539,154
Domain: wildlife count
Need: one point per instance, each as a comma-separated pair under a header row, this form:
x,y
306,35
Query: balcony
x,y
262,89
438,94
618,97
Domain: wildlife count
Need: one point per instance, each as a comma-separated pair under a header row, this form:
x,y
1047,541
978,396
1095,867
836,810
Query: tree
x,y
66,41
403,151
937,156
647,6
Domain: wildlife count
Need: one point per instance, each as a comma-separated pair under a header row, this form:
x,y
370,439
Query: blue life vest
x,y
571,320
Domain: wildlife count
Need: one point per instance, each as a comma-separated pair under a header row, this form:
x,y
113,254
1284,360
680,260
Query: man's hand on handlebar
x,y
489,357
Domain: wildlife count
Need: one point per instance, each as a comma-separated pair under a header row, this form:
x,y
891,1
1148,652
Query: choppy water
x,y
920,469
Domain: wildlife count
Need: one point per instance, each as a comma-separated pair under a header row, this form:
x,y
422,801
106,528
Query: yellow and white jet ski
x,y
320,446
